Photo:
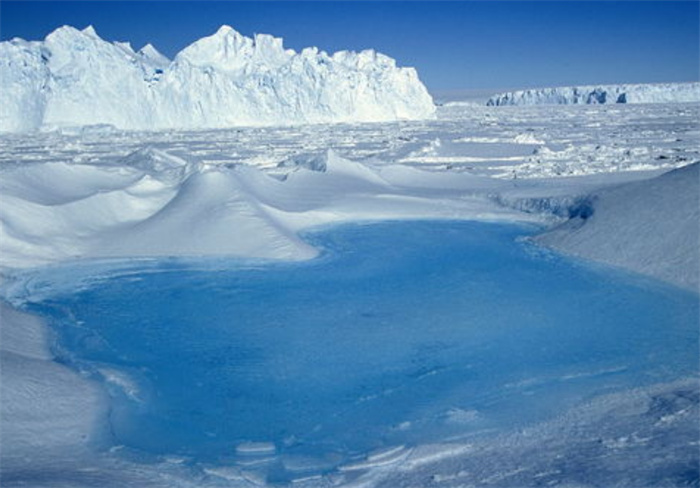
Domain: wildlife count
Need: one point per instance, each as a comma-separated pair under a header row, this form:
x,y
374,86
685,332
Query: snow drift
x,y
649,226
153,203
75,78
576,95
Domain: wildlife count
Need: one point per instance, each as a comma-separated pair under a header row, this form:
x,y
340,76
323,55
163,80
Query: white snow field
x,y
599,94
74,78
615,184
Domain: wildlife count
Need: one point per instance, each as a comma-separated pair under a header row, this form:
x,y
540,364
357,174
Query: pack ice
x,y
599,94
75,78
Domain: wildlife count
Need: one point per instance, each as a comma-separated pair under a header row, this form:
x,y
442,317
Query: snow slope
x,y
62,424
597,94
649,226
74,78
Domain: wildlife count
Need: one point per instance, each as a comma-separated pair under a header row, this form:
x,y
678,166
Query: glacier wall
x,y
573,95
75,78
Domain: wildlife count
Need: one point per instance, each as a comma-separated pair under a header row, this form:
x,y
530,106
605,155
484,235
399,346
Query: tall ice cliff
x,y
75,78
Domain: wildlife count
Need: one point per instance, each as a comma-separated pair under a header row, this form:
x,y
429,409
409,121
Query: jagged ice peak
x,y
75,78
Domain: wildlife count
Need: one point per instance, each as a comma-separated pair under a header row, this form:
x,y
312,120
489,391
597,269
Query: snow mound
x,y
577,95
75,78
649,226
212,213
146,204
160,203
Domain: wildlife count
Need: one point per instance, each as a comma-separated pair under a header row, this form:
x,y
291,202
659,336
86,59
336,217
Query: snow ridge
x,y
75,78
599,94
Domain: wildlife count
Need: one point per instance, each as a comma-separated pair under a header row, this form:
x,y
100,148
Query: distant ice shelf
x,y
599,94
75,78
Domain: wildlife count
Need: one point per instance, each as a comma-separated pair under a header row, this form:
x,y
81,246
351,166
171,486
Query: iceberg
x,y
75,78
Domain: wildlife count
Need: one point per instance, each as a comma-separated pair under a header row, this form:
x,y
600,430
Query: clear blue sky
x,y
454,45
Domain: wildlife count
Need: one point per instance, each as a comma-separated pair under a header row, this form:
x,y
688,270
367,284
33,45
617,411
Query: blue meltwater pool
x,y
400,333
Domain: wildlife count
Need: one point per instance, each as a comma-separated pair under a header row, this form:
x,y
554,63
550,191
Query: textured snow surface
x,y
96,192
598,94
74,78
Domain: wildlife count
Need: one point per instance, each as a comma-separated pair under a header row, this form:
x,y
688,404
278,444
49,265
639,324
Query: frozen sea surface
x,y
527,142
400,334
